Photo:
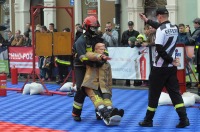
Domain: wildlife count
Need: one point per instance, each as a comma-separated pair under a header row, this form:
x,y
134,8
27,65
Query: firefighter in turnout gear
x,y
83,44
164,70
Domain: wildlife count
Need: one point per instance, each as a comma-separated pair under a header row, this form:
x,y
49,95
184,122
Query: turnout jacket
x,y
100,77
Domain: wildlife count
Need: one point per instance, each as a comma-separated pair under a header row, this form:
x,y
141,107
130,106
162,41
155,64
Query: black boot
x,y
121,112
148,120
146,123
76,114
184,121
97,116
107,113
76,117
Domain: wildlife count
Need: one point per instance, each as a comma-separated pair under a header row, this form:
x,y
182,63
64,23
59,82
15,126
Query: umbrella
x,y
2,28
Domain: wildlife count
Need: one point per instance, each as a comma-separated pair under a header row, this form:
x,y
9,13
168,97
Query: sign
x,y
91,3
179,53
22,59
92,12
71,3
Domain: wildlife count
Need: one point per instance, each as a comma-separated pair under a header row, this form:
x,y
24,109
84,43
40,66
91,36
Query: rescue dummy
x,y
97,84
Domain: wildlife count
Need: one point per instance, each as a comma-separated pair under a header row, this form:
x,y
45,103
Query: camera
x,y
108,30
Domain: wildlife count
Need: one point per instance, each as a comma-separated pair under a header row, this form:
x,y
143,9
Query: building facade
x,y
16,13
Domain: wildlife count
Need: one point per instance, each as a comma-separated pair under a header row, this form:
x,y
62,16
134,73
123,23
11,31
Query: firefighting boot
x,y
76,114
148,120
76,117
98,117
184,121
106,113
121,112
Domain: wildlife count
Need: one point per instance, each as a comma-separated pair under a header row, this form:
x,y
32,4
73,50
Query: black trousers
x,y
80,94
164,77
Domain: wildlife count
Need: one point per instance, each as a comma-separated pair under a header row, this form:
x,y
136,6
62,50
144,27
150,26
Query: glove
x,y
89,63
99,63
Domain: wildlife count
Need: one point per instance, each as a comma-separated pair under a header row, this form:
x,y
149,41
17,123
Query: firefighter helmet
x,y
91,24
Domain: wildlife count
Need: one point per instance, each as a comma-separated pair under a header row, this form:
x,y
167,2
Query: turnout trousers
x,y
80,94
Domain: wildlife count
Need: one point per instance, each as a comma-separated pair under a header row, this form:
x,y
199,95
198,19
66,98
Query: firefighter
x,y
83,44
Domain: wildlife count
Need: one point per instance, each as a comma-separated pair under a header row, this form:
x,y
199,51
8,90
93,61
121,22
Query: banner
x,y
179,53
129,63
4,66
4,60
134,63
22,59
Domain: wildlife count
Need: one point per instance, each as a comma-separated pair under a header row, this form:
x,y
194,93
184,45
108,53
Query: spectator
x,y
38,27
45,62
182,36
111,38
10,37
128,33
52,28
62,61
146,32
18,40
3,49
27,41
194,40
66,30
124,43
110,35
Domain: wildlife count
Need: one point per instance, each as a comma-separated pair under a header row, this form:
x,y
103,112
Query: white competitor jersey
x,y
166,35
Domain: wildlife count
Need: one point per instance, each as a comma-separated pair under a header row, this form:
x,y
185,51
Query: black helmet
x,y
130,23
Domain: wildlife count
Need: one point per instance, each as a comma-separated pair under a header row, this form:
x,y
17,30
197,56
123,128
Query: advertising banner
x,y
22,59
129,63
134,63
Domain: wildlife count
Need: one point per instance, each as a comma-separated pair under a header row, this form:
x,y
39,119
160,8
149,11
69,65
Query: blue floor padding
x,y
54,112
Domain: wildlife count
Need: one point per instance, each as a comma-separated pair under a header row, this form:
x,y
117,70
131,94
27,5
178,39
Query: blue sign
x,y
71,2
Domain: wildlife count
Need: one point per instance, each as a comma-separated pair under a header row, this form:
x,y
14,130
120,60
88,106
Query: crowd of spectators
x,y
48,69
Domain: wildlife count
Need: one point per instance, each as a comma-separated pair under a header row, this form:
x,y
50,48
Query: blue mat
x,y
54,112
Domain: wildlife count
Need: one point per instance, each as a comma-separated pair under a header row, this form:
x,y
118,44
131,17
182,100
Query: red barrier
x,y
14,77
3,79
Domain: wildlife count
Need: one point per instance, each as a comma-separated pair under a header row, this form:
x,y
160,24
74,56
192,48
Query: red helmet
x,y
90,21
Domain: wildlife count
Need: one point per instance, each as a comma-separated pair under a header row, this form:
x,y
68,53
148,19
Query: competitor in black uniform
x,y
164,70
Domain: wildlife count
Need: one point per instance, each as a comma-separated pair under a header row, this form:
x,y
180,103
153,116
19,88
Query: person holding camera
x,y
110,36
